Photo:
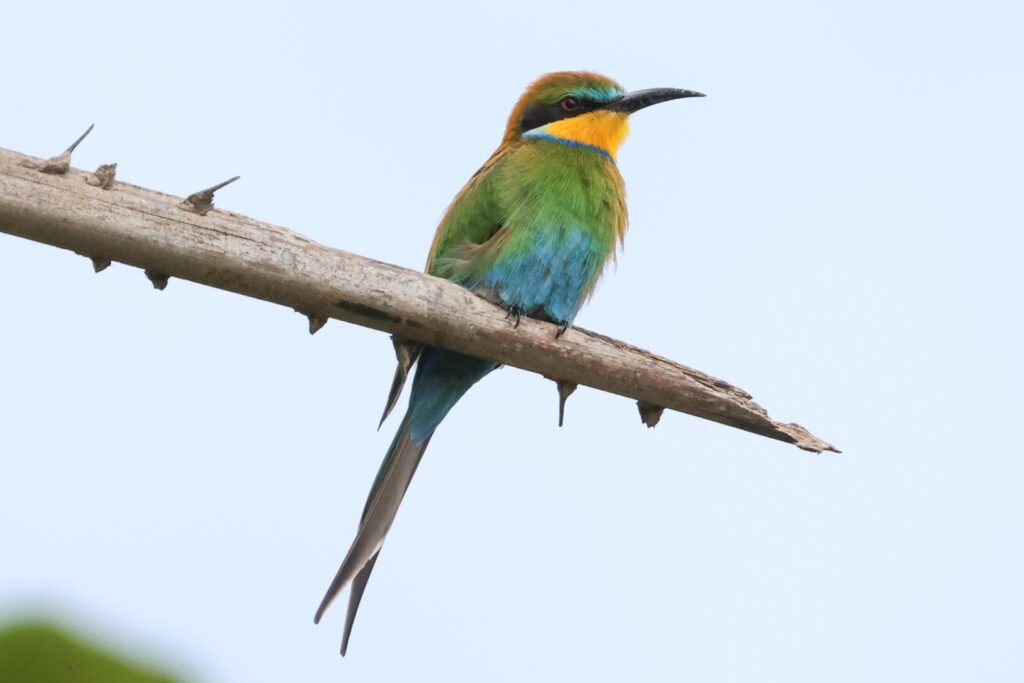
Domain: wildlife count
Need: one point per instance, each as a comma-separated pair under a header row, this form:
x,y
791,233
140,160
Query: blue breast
x,y
552,275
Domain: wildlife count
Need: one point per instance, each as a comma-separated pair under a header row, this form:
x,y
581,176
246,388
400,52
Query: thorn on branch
x,y
650,414
565,390
99,263
316,323
159,280
103,176
406,351
201,202
60,164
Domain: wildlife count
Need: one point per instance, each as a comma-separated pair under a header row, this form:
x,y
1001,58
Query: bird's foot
x,y
562,327
515,313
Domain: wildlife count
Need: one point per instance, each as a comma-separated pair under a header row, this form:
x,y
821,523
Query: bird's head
x,y
581,108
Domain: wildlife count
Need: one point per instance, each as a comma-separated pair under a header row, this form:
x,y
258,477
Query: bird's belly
x,y
549,273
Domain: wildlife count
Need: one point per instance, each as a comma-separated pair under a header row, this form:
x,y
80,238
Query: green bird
x,y
531,231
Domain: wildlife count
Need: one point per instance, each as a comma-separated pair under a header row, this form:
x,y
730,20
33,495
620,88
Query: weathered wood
x,y
150,230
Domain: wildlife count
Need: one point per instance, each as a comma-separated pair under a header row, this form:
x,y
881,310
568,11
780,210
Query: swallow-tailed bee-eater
x,y
531,231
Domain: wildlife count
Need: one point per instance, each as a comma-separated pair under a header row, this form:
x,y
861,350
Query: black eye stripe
x,y
542,114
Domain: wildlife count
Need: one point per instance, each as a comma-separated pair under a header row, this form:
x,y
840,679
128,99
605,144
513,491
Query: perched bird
x,y
531,231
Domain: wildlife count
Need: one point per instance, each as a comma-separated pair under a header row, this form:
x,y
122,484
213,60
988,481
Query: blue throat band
x,y
538,134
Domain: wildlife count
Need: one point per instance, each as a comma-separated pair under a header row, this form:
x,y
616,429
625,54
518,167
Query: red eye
x,y
570,103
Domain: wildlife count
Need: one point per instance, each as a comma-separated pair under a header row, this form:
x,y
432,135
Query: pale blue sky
x,y
836,228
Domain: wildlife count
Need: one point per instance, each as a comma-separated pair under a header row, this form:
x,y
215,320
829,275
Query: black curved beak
x,y
639,99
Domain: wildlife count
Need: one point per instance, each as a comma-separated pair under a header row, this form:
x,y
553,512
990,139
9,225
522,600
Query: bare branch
x,y
147,229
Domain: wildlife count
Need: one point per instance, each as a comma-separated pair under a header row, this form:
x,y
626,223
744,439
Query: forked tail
x,y
389,488
442,377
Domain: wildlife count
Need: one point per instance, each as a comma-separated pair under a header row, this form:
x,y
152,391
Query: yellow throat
x,y
605,130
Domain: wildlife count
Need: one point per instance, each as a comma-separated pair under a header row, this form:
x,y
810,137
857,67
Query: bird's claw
x,y
562,327
515,313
